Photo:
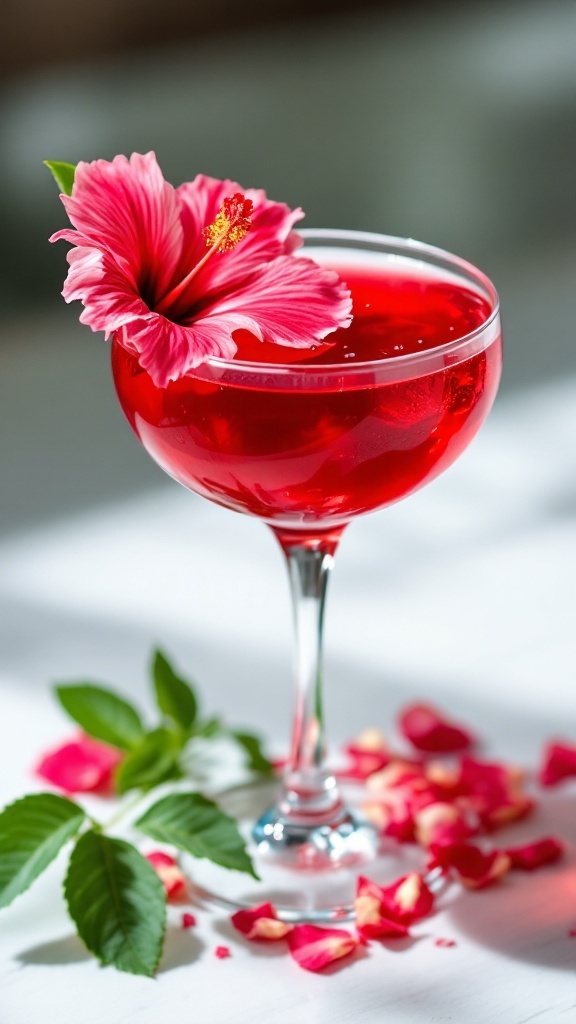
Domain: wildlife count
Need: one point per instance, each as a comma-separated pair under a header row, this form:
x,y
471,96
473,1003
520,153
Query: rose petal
x,y
427,729
441,824
372,922
188,920
169,873
314,948
559,762
406,900
367,754
475,868
82,766
444,943
260,923
222,952
535,855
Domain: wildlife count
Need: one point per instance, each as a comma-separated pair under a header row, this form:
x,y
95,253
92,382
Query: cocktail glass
x,y
307,446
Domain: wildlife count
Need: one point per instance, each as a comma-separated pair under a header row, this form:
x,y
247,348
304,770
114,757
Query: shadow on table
x,y
528,916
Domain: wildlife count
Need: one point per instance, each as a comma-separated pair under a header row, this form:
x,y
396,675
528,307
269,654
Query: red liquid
x,y
322,449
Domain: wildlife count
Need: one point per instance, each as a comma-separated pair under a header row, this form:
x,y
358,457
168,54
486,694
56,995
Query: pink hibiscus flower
x,y
176,271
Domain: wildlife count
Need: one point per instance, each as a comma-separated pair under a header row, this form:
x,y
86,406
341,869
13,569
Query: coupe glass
x,y
307,447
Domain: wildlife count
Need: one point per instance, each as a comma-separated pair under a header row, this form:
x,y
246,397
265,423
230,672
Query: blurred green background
x,y
451,123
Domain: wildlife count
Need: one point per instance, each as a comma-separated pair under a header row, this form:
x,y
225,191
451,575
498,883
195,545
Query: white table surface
x,y
462,595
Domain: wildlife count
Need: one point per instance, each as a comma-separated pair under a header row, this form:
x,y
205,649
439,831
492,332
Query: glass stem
x,y
311,794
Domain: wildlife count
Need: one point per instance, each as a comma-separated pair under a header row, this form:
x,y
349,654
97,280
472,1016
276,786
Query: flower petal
x,y
559,763
169,874
368,753
290,301
441,824
385,913
314,948
110,300
535,855
430,731
260,923
188,920
82,766
222,952
475,868
168,350
127,209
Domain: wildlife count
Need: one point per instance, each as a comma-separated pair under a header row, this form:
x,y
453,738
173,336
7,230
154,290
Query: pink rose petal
x,y
535,855
222,952
260,923
82,766
169,874
430,731
314,948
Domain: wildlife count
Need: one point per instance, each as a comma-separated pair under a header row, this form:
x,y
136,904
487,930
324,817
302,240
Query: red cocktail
x,y
308,439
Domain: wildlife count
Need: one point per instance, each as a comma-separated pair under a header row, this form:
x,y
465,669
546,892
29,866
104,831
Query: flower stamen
x,y
232,224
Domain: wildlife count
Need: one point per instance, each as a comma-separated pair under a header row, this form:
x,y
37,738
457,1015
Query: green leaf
x,y
63,173
207,729
198,826
175,697
256,760
32,832
117,903
153,761
102,714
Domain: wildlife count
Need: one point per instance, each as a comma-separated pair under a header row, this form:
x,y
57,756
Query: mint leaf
x,y
198,826
153,761
63,173
32,832
174,696
117,903
256,760
102,714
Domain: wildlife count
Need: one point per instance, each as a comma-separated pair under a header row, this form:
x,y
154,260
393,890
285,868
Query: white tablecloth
x,y
462,595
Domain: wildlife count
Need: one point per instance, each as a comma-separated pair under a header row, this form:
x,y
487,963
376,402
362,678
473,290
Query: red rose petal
x,y
314,948
260,923
407,900
444,943
441,824
367,754
169,874
427,729
188,920
559,763
493,791
222,952
535,855
475,868
82,766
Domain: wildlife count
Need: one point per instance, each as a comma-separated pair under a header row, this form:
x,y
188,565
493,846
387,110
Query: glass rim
x,y
376,242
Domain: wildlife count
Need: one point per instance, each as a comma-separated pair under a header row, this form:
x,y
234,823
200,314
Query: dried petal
x,y
314,948
559,763
82,766
430,731
535,855
475,868
169,874
260,923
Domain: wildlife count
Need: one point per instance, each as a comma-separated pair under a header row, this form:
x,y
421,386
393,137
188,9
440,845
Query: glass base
x,y
309,875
